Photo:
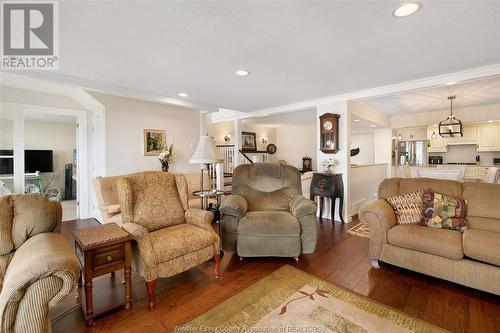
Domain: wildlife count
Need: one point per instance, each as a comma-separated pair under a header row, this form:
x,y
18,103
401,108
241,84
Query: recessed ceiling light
x,y
451,83
242,72
372,125
406,9
490,121
357,120
182,94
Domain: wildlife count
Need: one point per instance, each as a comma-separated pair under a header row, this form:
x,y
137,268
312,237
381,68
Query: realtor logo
x,y
30,36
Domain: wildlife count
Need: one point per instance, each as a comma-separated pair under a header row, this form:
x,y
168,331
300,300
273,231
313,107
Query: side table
x,y
101,250
328,185
205,195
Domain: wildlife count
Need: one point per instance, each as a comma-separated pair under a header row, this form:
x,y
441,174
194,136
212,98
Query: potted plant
x,y
329,164
166,156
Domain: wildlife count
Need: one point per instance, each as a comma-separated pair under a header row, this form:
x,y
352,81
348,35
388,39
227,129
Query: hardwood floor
x,y
340,258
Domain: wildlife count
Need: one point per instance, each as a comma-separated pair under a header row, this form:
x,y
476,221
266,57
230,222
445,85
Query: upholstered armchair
x,y
170,237
38,267
266,215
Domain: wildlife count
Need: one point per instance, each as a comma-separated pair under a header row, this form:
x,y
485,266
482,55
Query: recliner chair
x,y
266,215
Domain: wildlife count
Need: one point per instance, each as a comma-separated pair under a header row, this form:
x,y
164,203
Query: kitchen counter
x,y
366,165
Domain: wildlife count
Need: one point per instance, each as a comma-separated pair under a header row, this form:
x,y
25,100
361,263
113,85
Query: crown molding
x,y
429,82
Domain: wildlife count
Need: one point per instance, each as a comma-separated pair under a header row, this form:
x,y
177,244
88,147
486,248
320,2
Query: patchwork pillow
x,y
443,211
408,207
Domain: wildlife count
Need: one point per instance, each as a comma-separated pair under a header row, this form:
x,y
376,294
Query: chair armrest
x,y
141,236
380,217
199,217
44,269
110,209
234,205
300,206
305,211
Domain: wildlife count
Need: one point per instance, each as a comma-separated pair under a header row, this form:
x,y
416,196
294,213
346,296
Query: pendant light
x,y
451,126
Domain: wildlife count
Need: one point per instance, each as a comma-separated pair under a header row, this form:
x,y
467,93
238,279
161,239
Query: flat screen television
x,y
34,160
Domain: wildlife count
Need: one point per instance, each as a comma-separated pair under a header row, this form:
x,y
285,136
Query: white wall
x,y
8,94
48,136
466,115
343,156
364,184
366,145
125,121
366,111
295,142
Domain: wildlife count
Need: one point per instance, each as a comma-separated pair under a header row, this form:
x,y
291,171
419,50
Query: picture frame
x,y
248,141
153,141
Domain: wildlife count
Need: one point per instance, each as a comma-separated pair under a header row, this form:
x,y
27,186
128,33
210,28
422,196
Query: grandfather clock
x,y
329,133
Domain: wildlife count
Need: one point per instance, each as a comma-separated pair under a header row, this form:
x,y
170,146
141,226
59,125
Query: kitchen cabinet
x,y
469,136
411,133
488,137
437,145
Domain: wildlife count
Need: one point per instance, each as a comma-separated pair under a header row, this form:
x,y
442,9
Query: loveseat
x,y
106,192
471,258
38,267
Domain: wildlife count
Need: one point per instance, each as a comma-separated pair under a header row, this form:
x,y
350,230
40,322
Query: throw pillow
x,y
408,207
443,211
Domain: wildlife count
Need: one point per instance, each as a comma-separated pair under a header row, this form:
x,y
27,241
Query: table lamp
x,y
204,155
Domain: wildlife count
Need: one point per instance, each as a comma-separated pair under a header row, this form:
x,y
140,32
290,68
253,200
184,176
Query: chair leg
x,y
216,269
150,287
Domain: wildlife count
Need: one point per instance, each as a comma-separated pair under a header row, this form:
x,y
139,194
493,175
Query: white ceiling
x,y
469,94
295,50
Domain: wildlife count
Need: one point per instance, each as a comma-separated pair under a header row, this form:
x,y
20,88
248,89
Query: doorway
x,y
40,152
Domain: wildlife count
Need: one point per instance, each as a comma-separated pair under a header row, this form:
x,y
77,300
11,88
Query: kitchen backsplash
x,y
466,154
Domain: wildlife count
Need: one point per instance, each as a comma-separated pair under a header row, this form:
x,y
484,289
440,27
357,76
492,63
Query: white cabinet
x,y
437,142
488,137
411,133
469,136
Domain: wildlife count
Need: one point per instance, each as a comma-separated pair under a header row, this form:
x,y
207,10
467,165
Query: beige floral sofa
x,y
471,258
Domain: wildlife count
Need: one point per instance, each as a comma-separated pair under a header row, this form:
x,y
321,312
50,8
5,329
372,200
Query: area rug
x,y
360,230
290,300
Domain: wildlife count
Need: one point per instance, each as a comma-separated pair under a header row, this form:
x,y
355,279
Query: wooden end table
x,y
102,250
328,185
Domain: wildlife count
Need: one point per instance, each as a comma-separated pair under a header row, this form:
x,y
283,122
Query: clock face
x,y
327,125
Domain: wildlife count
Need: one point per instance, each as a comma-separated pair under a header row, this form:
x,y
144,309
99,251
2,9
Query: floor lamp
x,y
204,155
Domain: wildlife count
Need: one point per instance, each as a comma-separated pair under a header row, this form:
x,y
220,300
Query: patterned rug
x,y
290,300
359,230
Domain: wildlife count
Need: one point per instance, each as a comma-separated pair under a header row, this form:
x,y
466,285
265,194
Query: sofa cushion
x,y
483,223
408,207
482,245
269,224
440,242
483,199
266,201
443,211
151,200
33,214
447,187
172,242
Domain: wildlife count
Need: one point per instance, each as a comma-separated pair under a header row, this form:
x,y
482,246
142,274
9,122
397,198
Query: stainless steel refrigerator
x,y
412,153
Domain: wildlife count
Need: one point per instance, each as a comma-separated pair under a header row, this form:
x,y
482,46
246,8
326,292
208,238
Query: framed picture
x,y
153,141
248,142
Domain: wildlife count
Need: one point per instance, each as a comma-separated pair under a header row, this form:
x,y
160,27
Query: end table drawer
x,y
107,256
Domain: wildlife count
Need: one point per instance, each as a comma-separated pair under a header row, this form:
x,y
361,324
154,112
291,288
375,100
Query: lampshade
x,y
204,152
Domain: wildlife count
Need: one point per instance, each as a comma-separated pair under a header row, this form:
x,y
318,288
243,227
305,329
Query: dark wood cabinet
x,y
328,185
329,133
